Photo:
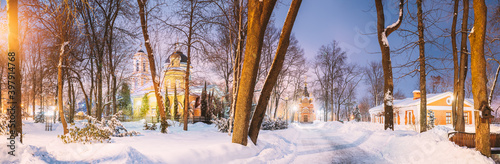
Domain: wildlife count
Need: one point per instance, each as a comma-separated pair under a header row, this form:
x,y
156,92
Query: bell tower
x,y
141,74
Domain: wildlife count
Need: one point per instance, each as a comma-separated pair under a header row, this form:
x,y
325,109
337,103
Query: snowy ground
x,y
331,142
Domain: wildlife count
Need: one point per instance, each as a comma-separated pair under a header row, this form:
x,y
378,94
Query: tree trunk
x,y
456,69
14,67
152,67
421,47
276,67
479,80
493,85
460,126
99,105
259,13
33,91
60,88
382,34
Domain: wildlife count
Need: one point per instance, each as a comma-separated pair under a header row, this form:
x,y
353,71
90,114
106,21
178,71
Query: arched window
x,y
137,65
143,66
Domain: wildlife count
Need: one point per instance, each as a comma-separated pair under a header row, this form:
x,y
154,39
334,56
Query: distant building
x,y
407,111
305,109
174,70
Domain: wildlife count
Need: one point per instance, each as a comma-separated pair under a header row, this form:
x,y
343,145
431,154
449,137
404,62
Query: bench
x,y
468,140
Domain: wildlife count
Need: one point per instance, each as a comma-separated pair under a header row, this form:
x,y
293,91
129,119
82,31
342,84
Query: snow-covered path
x,y
318,145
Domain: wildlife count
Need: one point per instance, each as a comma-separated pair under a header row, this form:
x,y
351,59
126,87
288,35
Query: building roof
x,y
411,102
179,53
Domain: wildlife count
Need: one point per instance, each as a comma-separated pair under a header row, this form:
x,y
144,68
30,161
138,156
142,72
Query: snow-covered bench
x,y
468,140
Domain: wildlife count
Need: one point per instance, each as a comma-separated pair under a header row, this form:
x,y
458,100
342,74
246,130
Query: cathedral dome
x,y
175,55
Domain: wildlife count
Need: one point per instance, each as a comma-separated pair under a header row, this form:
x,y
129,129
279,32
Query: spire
x,y
306,94
177,45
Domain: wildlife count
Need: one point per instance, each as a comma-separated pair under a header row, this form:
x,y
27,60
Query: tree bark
x,y
272,76
60,88
152,66
14,67
455,64
460,125
479,80
423,91
259,13
236,65
382,34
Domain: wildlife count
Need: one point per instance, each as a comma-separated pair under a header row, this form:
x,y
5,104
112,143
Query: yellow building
x,y
174,71
407,111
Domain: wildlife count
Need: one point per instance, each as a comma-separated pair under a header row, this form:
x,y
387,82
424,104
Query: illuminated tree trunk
x,y
479,80
382,34
259,13
60,88
272,76
14,67
152,67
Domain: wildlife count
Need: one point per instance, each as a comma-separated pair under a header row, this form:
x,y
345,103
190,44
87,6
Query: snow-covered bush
x,y
97,131
222,124
40,118
147,127
277,124
92,131
4,123
118,129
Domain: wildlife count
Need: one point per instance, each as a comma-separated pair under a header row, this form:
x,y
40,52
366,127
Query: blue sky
x,y
350,22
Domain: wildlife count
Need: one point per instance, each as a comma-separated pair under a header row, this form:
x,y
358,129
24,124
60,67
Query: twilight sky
x,y
353,24
350,22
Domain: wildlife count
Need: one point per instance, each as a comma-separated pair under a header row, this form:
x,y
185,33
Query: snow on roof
x,y
411,102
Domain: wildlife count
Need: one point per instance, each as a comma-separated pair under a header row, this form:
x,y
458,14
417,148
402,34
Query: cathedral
x,y
173,83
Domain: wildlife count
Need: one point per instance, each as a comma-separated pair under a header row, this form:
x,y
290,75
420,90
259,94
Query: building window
x,y
137,65
466,117
143,66
448,117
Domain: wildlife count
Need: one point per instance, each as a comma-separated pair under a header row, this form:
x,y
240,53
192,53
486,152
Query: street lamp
x,y
294,108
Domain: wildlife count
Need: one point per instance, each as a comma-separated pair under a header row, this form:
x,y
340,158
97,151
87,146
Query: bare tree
x,y
478,72
259,13
460,123
156,85
423,90
328,68
374,77
14,67
276,67
60,88
382,34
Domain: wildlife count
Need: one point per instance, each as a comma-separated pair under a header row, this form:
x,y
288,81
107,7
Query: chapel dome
x,y
177,54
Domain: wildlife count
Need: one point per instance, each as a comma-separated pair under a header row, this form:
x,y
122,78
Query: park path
x,y
319,145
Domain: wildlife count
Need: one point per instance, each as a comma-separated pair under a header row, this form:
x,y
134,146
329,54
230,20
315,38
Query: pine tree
x,y
176,104
125,104
432,117
167,102
167,106
204,105
144,105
